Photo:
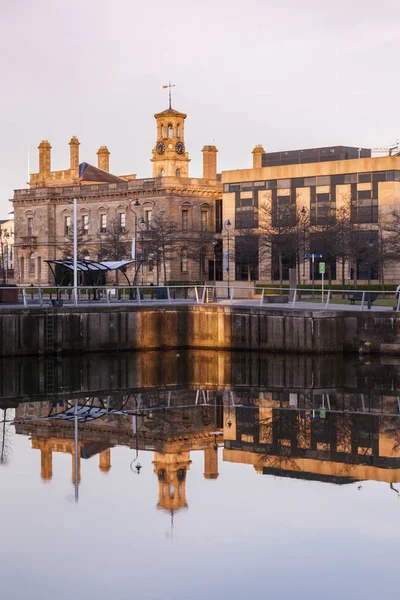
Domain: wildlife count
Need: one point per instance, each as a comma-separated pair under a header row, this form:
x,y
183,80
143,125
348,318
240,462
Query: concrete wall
x,y
24,332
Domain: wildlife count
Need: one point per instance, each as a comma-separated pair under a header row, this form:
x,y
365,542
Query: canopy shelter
x,y
92,272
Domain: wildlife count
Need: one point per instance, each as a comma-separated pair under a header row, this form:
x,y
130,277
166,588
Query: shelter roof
x,y
92,265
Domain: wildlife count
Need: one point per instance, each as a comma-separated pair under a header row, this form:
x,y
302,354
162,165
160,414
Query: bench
x,y
358,296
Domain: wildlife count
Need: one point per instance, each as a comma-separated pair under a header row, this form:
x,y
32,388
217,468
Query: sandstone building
x,y
44,213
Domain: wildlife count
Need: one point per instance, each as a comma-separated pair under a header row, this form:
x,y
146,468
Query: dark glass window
x,y
324,180
234,187
298,182
350,178
364,177
379,176
260,185
246,257
393,176
218,216
364,194
247,187
283,249
283,184
226,187
271,185
310,181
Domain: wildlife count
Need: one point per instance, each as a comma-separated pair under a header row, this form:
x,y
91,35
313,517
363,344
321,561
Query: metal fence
x,y
296,298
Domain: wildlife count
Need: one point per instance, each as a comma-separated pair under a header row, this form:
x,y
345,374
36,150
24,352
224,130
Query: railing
x,y
295,298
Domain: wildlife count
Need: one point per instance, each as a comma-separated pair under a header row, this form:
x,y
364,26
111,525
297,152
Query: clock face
x,y
160,148
180,148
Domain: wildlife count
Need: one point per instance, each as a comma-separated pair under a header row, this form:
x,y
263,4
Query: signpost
x,y
322,272
313,257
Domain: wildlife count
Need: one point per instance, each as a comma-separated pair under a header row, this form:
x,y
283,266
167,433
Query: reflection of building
x,y
339,448
7,248
43,214
172,434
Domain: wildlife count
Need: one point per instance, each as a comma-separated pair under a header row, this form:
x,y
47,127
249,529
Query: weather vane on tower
x,y
169,86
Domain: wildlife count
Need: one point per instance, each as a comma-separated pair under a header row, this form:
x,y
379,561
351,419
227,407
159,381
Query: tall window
x,y
161,173
169,132
184,261
85,224
22,268
148,215
30,226
162,131
32,264
39,268
204,220
67,225
122,221
103,223
178,173
178,131
185,220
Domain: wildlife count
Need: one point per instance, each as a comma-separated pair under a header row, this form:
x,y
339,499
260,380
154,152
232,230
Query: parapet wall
x,y
35,331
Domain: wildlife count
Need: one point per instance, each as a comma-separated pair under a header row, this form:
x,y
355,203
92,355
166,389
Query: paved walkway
x,y
244,302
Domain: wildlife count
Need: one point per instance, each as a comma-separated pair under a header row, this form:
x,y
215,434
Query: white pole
x,y
75,253
322,288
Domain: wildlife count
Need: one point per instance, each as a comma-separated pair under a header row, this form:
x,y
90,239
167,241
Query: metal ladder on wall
x,y
49,380
49,332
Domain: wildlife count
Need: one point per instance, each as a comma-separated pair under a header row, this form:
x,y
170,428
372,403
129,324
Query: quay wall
x,y
75,330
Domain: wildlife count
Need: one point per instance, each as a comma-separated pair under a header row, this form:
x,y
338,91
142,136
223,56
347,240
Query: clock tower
x,y
169,156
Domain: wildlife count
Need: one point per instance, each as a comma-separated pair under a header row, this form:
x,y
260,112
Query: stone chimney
x,y
105,460
103,160
257,156
209,162
74,155
211,463
44,157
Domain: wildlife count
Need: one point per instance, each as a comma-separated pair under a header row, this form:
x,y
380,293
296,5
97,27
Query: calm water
x,y
199,475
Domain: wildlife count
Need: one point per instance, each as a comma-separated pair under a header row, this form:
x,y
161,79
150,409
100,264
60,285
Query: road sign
x,y
313,256
321,268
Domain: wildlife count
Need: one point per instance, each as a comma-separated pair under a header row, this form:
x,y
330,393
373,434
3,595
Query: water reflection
x,y
311,418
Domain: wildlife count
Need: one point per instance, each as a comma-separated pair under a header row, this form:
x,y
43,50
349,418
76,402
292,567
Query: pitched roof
x,y
170,111
90,173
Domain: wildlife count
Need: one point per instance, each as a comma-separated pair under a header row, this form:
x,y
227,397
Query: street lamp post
x,y
136,204
227,224
303,213
215,270
141,224
370,246
75,263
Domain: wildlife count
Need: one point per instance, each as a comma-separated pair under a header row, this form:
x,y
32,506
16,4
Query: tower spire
x,y
169,86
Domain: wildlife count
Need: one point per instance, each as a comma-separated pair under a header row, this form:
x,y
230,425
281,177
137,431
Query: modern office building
x,y
288,203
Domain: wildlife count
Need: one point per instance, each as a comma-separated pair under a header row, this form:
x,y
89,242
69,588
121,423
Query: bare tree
x,y
162,240
114,244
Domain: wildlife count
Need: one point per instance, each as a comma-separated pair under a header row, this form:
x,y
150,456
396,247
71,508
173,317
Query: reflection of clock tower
x,y
170,158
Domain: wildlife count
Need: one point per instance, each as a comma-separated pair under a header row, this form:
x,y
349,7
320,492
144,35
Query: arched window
x,y
169,132
178,173
184,261
161,173
178,131
162,131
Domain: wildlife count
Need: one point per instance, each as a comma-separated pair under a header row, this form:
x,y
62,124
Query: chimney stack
x,y
103,160
44,157
211,463
257,156
209,162
74,154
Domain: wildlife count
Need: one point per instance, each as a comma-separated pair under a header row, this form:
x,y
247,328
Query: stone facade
x,y
44,211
